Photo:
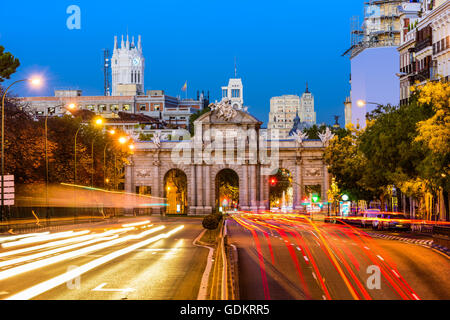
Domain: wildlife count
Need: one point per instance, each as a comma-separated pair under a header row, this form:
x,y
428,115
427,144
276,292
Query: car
x,y
391,221
368,216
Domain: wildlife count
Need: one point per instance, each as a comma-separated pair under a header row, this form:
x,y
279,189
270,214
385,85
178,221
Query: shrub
x,y
210,222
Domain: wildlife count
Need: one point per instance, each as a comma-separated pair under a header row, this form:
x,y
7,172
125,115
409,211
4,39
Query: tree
x,y
347,164
8,64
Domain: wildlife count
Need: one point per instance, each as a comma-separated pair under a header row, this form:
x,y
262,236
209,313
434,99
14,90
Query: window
x,y
102,107
126,107
90,107
115,107
235,93
224,93
142,107
157,107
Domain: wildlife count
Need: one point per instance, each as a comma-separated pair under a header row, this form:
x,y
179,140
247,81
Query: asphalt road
x,y
292,257
139,262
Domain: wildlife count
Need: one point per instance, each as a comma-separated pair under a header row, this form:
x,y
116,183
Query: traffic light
x,y
315,198
273,182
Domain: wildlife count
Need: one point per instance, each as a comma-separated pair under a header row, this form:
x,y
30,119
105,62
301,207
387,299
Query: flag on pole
x,y
184,87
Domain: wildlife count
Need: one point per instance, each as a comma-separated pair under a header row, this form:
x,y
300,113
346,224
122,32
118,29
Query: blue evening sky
x,y
279,45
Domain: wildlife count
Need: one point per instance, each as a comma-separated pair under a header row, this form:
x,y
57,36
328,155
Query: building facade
x,y
375,59
285,109
424,51
155,103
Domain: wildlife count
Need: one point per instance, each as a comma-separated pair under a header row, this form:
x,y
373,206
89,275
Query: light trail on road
x,y
347,249
70,275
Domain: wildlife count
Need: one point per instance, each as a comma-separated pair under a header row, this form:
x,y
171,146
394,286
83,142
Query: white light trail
x,y
65,277
52,236
20,236
63,242
70,255
135,224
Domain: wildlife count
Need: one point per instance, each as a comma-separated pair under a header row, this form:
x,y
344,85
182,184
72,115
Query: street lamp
x,y
34,82
98,122
69,107
363,103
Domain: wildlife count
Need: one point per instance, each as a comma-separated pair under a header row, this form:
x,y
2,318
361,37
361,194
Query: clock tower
x,y
127,68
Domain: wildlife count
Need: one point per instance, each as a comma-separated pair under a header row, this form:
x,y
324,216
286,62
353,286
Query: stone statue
x,y
326,136
300,136
224,109
156,139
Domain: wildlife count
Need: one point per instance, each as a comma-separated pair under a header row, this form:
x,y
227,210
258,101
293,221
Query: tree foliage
x,y
8,64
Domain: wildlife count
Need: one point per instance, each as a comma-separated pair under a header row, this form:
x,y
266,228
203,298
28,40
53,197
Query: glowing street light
x,y
131,146
112,132
99,121
363,103
122,140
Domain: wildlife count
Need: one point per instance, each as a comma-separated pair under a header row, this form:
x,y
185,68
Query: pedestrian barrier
x,y
441,236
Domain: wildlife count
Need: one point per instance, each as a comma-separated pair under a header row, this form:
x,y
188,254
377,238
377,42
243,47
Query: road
x,y
154,260
289,256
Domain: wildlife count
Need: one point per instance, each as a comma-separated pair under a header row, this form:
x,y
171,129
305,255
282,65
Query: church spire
x,y
139,44
122,44
306,91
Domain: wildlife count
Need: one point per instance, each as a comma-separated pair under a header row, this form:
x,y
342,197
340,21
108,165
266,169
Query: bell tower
x,y
127,68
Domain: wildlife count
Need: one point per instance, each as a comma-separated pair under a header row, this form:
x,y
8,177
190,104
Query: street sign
x,y
8,190
8,184
7,196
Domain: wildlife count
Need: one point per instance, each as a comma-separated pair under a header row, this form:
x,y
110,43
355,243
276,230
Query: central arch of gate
x,y
225,139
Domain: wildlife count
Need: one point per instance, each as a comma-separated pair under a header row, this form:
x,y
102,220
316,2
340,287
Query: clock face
x,y
136,61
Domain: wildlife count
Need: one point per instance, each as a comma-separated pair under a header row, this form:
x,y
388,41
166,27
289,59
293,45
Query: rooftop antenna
x,y
106,71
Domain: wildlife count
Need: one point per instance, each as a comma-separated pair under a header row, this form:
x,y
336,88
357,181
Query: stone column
x,y
298,186
244,190
200,188
156,188
263,190
253,188
129,179
207,180
192,194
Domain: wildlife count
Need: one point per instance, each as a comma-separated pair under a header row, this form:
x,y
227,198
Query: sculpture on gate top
x,y
224,109
326,136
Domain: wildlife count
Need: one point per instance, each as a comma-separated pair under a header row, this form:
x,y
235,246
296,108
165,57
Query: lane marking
x,y
101,288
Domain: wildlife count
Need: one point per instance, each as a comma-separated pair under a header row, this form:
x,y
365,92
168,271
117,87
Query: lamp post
x,y
70,107
34,82
98,122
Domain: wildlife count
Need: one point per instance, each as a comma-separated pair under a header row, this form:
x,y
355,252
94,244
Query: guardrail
x,y
441,236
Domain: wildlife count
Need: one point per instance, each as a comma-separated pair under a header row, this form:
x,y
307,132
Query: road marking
x,y
100,288
415,296
3,293
314,275
379,257
395,273
306,258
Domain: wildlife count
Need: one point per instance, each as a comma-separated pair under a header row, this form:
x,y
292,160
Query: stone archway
x,y
226,190
281,191
175,190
